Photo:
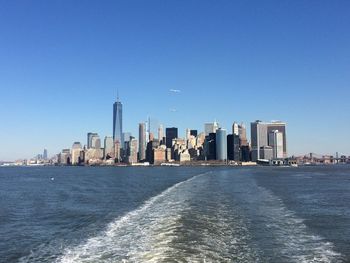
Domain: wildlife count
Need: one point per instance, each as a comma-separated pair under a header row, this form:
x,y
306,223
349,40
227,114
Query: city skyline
x,y
183,64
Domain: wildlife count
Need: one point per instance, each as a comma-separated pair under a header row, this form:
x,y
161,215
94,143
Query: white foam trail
x,y
132,237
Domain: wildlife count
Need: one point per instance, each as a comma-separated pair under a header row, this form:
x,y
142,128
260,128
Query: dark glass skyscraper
x,y
170,134
194,133
118,121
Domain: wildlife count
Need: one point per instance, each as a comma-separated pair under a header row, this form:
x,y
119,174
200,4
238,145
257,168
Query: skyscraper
x,y
281,127
242,132
95,141
89,139
188,134
194,133
75,152
276,142
258,135
221,145
210,128
235,129
45,154
132,151
118,122
233,147
108,148
210,146
142,141
160,134
170,134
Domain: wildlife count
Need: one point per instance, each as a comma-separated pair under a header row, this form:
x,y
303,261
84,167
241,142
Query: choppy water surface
x,y
261,214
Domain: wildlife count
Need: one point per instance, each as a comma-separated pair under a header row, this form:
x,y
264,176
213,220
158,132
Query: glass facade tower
x,y
118,122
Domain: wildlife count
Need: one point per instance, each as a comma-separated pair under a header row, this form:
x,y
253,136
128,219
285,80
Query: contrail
x,y
175,90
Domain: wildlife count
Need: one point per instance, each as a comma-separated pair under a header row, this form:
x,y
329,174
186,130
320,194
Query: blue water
x,y
175,214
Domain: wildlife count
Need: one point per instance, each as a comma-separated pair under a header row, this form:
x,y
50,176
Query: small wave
x,y
295,241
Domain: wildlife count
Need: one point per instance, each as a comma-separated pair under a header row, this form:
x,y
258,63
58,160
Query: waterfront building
x,y
132,151
210,146
276,142
281,127
245,153
184,156
233,147
170,134
65,157
258,138
108,151
266,153
75,153
89,139
151,145
91,156
117,151
118,122
142,141
210,128
159,154
221,145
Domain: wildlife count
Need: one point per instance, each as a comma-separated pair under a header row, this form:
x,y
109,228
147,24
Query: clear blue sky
x,y
61,63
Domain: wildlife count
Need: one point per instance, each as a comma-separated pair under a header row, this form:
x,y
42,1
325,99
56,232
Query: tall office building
x,y
188,133
281,127
95,142
142,141
210,128
276,142
118,122
75,152
108,148
194,133
210,146
242,132
233,147
132,151
258,139
45,154
117,152
160,133
89,139
259,136
221,145
126,136
235,129
170,134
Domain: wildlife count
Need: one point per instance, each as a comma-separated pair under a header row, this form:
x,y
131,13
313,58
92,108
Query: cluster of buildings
x,y
214,145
